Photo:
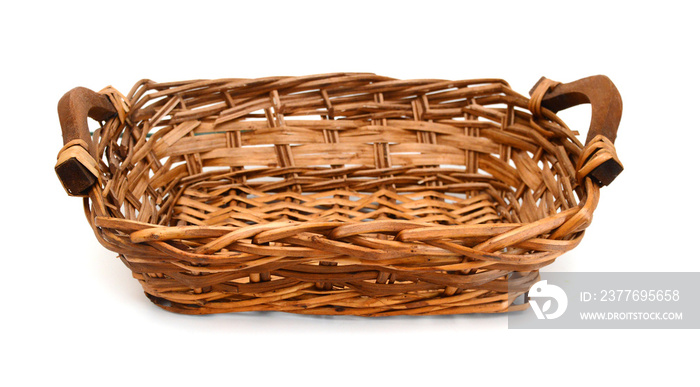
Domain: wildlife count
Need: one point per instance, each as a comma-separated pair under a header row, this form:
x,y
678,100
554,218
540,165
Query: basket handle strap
x,y
599,158
76,166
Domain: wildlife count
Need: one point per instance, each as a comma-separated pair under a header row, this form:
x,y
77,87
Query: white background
x,y
72,313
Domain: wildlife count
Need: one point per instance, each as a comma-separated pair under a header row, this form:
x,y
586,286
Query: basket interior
x,y
222,201
336,147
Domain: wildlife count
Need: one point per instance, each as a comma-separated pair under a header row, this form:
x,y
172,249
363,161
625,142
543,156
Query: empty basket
x,y
346,193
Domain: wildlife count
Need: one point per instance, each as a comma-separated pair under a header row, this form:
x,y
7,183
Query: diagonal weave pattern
x,y
337,194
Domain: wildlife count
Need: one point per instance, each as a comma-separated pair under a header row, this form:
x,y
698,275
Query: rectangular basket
x,y
346,193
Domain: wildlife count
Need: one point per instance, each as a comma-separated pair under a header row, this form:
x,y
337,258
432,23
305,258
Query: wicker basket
x,y
346,193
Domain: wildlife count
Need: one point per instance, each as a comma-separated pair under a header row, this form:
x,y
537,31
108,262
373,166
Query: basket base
x,y
495,304
230,202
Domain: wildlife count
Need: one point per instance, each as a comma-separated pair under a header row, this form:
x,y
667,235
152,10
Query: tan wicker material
x,y
336,193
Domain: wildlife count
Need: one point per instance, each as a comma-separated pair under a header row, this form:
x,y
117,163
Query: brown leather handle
x,y
599,91
606,112
76,166
75,107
